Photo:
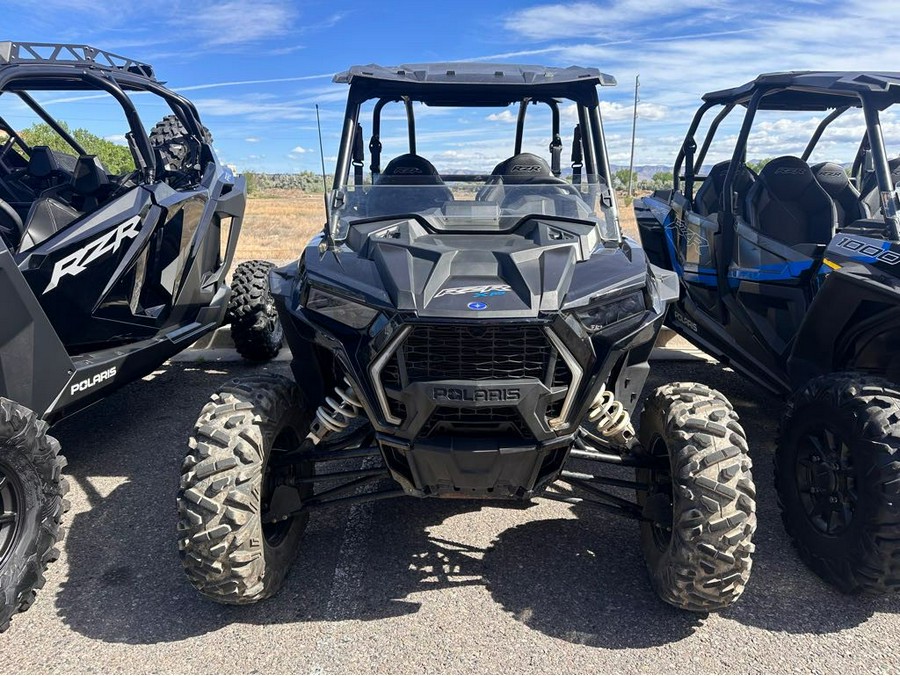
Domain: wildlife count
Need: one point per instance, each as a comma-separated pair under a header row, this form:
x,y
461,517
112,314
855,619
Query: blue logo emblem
x,y
477,306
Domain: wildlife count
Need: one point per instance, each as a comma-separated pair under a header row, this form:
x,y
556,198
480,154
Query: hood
x,y
542,265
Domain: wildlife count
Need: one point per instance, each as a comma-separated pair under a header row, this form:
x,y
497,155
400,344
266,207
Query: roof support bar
x,y
820,130
889,204
54,125
710,134
520,125
411,124
556,142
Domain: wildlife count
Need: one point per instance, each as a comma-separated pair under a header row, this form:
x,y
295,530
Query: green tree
x,y
117,159
252,182
660,181
621,179
757,165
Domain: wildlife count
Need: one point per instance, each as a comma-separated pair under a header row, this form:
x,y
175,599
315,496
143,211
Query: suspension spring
x,y
336,414
609,419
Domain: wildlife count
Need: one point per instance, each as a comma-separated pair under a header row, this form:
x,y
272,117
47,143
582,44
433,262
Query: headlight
x,y
601,315
351,313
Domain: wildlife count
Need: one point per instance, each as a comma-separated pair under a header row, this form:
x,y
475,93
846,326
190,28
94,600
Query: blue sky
x,y
256,69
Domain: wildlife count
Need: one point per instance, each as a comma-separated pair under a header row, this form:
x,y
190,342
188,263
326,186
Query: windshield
x,y
496,204
478,168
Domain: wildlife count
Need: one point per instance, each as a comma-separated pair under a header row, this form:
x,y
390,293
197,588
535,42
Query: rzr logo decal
x,y
406,171
476,291
526,169
866,249
691,237
76,263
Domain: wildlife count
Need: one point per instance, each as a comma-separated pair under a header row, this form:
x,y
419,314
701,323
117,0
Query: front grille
x,y
476,353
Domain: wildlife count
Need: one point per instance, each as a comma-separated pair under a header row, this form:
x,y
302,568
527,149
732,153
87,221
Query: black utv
x,y
103,276
790,275
469,335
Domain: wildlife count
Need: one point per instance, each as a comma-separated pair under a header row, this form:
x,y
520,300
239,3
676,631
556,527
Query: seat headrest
x,y
42,162
831,176
744,177
785,177
519,168
409,169
89,175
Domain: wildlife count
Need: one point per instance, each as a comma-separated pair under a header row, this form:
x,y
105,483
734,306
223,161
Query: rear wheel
x,y
255,327
837,472
31,506
231,479
702,500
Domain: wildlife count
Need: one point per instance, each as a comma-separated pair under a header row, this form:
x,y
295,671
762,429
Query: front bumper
x,y
455,424
474,468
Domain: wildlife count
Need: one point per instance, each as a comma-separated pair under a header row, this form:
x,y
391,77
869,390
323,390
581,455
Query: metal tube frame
x,y
50,120
115,83
817,134
889,205
688,146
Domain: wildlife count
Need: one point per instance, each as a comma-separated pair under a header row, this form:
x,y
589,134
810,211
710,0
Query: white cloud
x,y
252,139
502,116
299,150
588,19
695,46
613,112
284,51
235,83
233,22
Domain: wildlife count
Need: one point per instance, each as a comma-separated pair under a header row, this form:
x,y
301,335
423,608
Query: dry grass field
x,y
279,223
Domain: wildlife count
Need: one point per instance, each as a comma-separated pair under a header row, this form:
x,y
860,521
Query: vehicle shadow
x,y
125,583
578,579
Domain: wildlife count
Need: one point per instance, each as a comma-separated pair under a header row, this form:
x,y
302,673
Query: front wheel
x,y
255,327
31,506
837,473
701,500
231,479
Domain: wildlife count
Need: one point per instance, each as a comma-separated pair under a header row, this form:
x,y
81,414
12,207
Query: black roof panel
x,y
473,84
814,90
475,73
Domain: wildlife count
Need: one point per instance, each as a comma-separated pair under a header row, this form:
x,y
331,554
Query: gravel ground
x,y
411,586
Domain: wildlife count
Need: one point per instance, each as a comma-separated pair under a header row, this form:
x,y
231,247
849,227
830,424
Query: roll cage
x,y
470,85
797,91
33,66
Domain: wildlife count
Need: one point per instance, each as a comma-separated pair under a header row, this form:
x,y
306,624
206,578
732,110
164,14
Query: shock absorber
x,y
336,414
609,420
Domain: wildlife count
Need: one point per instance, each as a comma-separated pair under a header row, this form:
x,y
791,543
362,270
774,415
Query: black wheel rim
x,y
660,480
11,512
273,477
826,481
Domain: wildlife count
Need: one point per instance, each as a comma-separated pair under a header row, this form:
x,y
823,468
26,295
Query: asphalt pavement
x,y
410,585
